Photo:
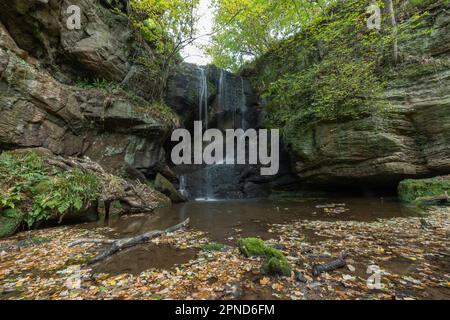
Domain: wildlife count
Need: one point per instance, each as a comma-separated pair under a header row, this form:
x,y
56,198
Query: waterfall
x,y
221,180
203,96
243,106
221,93
183,186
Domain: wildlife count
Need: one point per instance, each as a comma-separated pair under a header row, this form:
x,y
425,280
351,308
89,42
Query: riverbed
x,y
394,252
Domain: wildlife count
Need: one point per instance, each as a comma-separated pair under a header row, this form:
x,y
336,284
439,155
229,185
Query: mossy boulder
x,y
9,225
411,190
164,186
275,264
252,247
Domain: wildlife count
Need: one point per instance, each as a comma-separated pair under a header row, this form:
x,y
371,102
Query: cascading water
x,y
243,106
203,96
228,111
183,184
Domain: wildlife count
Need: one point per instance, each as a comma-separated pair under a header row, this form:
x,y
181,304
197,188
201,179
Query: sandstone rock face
x,y
101,49
411,140
40,62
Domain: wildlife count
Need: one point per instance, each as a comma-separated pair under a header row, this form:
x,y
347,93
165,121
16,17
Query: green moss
x,y
411,190
8,226
251,247
275,264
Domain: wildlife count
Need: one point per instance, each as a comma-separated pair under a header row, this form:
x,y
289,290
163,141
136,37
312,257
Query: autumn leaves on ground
x,y
412,254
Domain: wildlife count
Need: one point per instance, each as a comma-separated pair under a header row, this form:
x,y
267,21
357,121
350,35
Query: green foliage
x,y
333,69
169,26
245,29
411,190
100,84
32,192
70,190
275,264
329,72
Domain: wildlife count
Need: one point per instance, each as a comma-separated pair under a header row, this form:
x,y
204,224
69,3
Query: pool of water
x,y
226,220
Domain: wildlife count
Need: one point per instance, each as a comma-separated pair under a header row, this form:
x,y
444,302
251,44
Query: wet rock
x,y
166,187
235,290
41,60
9,225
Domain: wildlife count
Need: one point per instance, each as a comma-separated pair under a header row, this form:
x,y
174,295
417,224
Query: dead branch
x,y
125,243
333,265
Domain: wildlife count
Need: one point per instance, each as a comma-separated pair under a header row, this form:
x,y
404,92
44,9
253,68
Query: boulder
x,y
166,187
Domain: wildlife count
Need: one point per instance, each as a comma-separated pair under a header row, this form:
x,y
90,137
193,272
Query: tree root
x,y
125,243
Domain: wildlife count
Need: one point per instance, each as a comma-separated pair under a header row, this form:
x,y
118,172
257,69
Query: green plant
x,y
100,84
70,190
411,190
31,192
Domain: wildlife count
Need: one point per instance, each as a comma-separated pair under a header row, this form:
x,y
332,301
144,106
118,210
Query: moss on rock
x,y
277,266
411,190
276,263
252,247
9,225
166,187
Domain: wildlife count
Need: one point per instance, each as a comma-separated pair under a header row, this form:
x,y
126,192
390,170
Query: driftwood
x,y
125,243
333,265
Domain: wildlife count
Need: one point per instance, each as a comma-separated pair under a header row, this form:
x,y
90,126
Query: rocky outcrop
x,y
410,140
228,97
112,121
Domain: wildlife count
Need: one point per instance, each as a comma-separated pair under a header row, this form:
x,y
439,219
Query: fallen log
x,y
125,243
333,265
